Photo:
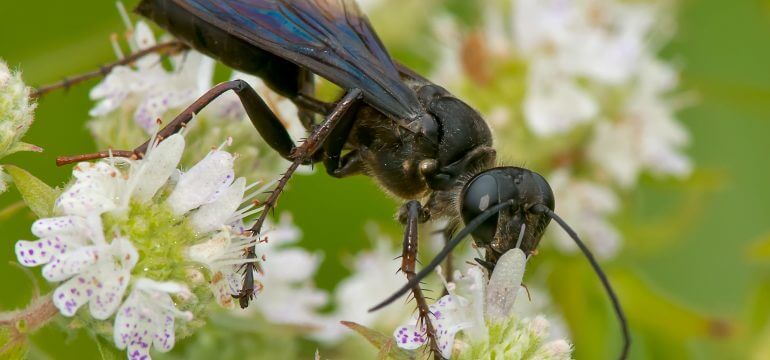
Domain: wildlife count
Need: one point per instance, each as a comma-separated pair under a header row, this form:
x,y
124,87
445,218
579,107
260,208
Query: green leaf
x,y
107,350
673,321
38,195
22,147
382,342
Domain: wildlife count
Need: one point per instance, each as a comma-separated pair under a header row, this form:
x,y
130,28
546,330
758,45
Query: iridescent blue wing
x,y
332,38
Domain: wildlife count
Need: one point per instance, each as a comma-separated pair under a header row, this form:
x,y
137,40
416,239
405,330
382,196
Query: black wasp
x,y
416,139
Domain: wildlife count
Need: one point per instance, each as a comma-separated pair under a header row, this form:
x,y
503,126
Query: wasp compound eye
x,y
482,192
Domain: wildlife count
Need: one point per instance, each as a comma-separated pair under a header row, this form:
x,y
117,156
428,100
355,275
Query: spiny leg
x,y
166,49
305,152
265,121
410,216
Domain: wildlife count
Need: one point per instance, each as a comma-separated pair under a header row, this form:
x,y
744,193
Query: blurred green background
x,y
701,257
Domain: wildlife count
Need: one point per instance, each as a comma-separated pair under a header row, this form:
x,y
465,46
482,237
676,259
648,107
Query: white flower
x,y
555,103
577,42
149,87
447,317
483,312
367,285
97,274
645,135
289,296
224,259
119,208
146,318
599,39
586,205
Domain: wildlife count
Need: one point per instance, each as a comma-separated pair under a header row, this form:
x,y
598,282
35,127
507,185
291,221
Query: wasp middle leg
x,y
411,214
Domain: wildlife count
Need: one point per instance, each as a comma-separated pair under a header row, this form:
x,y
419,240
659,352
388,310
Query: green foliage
x,y
38,195
383,342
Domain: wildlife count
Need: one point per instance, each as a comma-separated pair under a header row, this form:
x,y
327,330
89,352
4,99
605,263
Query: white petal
x,y
95,190
133,326
164,336
144,38
148,285
108,293
157,167
157,102
556,104
448,321
214,215
196,186
146,318
504,284
72,262
65,225
210,250
222,289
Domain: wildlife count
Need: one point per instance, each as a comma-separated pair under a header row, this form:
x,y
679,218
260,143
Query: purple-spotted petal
x,y
34,253
164,338
99,274
199,184
132,329
108,293
71,263
72,294
409,337
64,225
146,318
95,191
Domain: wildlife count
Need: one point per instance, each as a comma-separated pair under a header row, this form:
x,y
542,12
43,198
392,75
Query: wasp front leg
x,y
164,49
410,215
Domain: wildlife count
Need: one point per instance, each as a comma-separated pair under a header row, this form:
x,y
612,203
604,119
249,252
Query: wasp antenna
x,y
65,160
472,225
540,208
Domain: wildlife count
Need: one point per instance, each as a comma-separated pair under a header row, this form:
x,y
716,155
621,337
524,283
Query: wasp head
x,y
523,189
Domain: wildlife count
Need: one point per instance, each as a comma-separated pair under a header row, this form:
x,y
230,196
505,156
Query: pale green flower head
x,y
514,338
16,112
16,115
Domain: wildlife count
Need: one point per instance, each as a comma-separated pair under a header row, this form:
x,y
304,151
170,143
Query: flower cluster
x,y
584,78
142,224
16,115
482,313
367,285
131,99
